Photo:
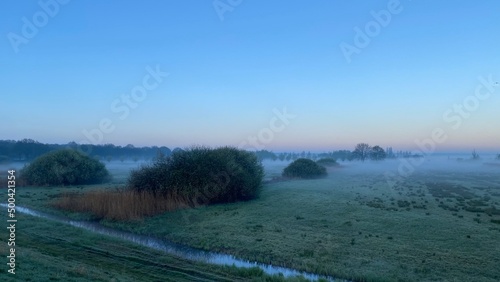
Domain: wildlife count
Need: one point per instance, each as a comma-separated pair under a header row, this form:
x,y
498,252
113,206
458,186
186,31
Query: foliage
x,y
64,167
202,175
264,154
327,162
29,149
304,168
377,153
362,151
338,155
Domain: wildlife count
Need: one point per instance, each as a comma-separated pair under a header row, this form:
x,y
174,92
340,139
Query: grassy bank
x,y
49,251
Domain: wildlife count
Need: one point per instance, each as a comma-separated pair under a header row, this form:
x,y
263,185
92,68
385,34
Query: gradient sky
x,y
227,77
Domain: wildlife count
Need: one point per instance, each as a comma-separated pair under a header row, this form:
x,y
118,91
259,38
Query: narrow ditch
x,y
178,250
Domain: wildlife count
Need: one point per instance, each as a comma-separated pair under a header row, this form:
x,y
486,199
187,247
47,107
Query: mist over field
x,y
234,140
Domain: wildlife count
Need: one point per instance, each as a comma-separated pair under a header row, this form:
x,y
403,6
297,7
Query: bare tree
x,y
362,151
475,156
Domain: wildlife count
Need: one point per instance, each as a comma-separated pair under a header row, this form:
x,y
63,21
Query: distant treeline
x,y
29,149
361,152
338,155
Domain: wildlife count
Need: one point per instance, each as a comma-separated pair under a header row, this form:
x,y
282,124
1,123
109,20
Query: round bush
x,y
202,175
304,168
64,167
327,162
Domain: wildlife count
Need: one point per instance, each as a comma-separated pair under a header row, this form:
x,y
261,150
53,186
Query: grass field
x,y
48,251
441,223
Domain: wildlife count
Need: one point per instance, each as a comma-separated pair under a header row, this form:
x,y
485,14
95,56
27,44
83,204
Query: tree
x,y
327,162
475,156
264,154
377,153
28,149
390,154
362,151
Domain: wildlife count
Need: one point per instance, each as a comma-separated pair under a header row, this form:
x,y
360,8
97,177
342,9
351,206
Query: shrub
x,y
304,168
327,162
202,175
64,167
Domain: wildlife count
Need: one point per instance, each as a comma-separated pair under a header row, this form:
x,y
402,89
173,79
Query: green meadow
x,y
438,224
49,251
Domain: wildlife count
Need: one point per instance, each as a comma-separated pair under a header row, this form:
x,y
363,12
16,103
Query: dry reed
x,y
120,204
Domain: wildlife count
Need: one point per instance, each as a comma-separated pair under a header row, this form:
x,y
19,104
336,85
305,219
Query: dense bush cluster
x,y
304,168
64,167
202,175
327,162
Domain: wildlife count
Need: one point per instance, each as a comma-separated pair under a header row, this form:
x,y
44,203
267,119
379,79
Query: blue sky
x,y
230,71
